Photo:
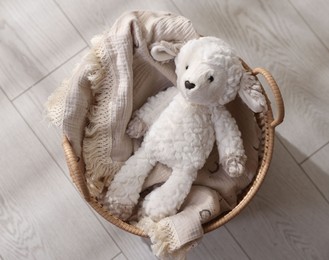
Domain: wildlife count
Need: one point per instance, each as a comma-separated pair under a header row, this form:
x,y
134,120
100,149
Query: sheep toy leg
x,y
167,199
123,192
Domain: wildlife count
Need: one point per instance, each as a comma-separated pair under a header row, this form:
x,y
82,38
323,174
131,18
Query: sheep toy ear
x,y
165,51
251,93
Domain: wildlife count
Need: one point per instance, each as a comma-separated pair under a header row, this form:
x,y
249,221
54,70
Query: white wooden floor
x,y
41,213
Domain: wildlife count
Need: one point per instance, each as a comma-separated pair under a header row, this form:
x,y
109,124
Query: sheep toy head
x,y
210,73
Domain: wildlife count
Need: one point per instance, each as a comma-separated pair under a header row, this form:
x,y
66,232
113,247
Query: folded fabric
x,y
173,236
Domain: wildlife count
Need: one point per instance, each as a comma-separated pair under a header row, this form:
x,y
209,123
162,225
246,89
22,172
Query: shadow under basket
x,y
266,123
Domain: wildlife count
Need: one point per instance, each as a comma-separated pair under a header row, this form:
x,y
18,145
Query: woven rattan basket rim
x,y
266,124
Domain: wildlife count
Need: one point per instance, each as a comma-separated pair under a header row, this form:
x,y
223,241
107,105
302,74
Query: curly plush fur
x,y
209,75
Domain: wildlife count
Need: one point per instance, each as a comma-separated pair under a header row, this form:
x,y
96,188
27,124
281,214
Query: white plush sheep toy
x,y
209,75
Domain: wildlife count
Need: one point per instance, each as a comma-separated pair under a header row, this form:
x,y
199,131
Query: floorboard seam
x,y
70,21
302,169
49,73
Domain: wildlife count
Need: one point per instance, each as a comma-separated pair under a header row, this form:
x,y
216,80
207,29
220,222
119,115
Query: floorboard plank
x,y
218,244
120,257
315,13
317,168
31,106
91,19
287,219
132,246
41,215
35,39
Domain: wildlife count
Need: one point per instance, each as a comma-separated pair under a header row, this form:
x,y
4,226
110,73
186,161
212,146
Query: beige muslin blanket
x,y
94,106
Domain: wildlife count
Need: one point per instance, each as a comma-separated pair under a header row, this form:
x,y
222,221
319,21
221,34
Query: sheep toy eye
x,y
211,78
186,67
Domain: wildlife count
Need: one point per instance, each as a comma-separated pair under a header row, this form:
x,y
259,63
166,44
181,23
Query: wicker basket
x,y
267,125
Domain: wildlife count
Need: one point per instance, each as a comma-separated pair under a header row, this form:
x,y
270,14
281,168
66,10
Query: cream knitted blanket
x,y
94,106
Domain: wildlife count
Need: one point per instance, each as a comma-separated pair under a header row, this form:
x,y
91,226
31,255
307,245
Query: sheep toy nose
x,y
189,85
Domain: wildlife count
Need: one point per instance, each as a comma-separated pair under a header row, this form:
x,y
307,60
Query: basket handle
x,y
277,94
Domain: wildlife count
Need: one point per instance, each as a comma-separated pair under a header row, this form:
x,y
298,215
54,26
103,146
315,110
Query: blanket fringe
x,y
165,242
97,143
55,105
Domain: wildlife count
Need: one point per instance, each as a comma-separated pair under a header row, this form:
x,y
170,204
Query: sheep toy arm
x,y
229,142
144,117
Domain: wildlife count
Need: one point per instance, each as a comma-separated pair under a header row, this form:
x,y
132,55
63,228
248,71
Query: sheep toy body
x,y
184,139
209,75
